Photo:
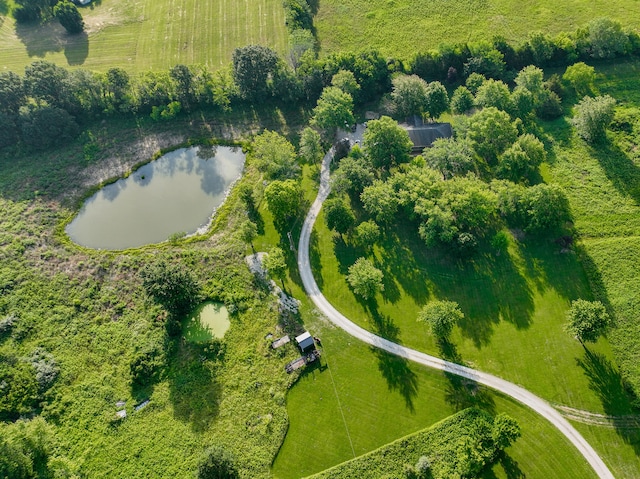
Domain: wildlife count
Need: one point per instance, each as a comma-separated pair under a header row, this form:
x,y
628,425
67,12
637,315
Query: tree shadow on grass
x,y
193,390
399,376
40,39
488,288
511,467
551,265
76,48
606,381
346,254
461,392
4,9
400,253
396,370
623,173
315,258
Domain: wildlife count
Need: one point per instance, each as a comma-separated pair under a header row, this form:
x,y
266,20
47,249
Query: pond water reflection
x,y
176,193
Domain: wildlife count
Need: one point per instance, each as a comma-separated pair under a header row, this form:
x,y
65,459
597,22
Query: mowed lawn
x,y
148,34
359,399
400,28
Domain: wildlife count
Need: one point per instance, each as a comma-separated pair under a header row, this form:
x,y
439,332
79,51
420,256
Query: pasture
x,y
400,28
147,35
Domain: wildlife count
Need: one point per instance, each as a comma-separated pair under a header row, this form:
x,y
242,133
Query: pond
x,y
211,320
177,193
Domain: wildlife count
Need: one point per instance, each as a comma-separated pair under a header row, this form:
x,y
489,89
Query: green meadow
x,y
401,28
147,35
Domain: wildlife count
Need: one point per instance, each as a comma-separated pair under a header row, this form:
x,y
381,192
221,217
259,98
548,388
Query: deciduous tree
x,y
380,201
172,286
441,316
437,100
491,131
275,156
587,320
339,215
386,143
607,39
450,157
367,234
494,93
334,110
365,279
581,77
409,95
253,67
217,463
592,117
283,200
69,17
311,146
462,100
276,264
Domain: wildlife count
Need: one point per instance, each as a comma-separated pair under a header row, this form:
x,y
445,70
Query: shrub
x,y
217,463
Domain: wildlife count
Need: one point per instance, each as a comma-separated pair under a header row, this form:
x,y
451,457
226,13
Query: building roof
x,y
423,134
304,340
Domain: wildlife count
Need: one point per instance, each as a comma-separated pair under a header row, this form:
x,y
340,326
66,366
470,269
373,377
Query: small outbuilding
x,y
423,134
305,342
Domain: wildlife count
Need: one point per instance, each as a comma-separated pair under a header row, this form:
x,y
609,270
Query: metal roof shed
x,y
305,342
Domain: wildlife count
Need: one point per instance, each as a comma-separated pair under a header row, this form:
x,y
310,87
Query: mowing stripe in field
x,y
149,34
344,419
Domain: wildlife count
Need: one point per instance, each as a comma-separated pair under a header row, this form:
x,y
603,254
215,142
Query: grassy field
x,y
361,399
400,28
148,35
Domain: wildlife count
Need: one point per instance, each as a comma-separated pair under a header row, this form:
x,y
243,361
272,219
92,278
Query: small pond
x,y
211,320
177,193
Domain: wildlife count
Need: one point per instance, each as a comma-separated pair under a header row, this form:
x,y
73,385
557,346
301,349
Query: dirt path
x,y
594,419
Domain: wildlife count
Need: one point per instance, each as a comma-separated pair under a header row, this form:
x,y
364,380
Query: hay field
x,y
147,34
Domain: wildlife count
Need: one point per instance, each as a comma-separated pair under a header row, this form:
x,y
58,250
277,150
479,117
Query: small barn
x,y
423,134
305,342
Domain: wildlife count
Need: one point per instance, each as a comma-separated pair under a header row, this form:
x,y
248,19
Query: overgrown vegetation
x,y
437,451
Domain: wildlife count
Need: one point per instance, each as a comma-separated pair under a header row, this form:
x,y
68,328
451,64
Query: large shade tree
x,y
275,156
69,17
386,143
283,200
409,95
334,110
253,67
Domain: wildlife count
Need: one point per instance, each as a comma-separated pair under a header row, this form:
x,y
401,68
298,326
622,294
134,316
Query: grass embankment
x,y
151,34
88,309
400,28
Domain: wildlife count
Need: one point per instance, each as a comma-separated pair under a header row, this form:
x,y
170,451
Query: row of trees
x,y
602,38
258,74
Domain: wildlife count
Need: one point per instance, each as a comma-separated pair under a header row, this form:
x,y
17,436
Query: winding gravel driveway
x,y
520,394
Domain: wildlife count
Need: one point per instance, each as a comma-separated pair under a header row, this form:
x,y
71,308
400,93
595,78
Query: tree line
x,y
47,104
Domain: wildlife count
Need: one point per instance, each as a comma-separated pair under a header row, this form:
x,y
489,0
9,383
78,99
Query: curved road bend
x,y
520,394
